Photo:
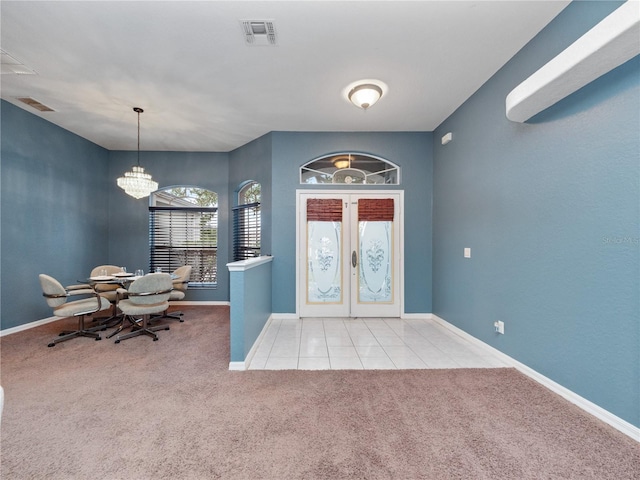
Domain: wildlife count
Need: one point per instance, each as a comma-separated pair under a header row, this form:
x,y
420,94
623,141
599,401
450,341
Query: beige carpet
x,y
171,410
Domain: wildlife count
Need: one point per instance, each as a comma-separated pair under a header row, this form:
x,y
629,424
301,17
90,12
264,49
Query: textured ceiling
x,y
203,89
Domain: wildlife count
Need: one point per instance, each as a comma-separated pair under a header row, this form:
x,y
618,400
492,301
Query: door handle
x,y
354,259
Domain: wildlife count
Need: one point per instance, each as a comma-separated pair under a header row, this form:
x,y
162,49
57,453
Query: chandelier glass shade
x,y
137,183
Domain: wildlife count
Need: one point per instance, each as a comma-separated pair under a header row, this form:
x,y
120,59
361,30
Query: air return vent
x,y
35,104
259,32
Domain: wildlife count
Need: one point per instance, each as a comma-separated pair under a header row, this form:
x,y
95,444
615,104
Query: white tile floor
x,y
365,343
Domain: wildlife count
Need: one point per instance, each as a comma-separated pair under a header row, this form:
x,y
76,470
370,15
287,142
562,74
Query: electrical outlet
x,y
499,326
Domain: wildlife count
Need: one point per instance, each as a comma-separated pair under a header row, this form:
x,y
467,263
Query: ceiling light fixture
x,y
365,93
137,183
364,96
342,161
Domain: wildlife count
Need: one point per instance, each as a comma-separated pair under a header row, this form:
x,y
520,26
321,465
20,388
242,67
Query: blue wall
x,y
550,209
411,151
250,307
253,162
129,218
54,211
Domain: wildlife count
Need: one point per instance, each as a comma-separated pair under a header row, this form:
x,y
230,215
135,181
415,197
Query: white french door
x,y
349,246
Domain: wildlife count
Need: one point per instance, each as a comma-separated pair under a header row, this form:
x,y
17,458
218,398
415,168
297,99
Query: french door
x,y
349,246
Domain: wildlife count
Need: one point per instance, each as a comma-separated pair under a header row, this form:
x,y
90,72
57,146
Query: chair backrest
x,y
51,286
110,269
182,281
153,282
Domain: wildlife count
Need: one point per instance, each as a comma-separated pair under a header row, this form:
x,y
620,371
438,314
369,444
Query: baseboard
x,y
406,316
37,323
417,316
586,405
27,326
285,316
241,366
190,302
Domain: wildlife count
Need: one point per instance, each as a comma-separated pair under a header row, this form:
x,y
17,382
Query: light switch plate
x,y
467,252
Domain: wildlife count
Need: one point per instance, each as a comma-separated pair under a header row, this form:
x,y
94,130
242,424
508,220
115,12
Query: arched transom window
x,y
350,168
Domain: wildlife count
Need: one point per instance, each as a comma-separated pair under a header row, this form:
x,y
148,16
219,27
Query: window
x,y
351,169
183,230
246,222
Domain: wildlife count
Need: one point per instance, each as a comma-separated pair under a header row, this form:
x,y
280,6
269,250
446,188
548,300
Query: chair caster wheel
x,y
51,345
99,338
117,341
181,320
155,339
167,328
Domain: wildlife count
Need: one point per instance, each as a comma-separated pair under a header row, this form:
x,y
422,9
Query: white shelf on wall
x,y
609,44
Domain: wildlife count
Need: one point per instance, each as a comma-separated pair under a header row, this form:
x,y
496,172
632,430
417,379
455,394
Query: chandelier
x,y
137,183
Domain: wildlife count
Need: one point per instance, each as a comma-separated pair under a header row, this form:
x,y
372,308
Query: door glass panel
x,y
375,247
324,271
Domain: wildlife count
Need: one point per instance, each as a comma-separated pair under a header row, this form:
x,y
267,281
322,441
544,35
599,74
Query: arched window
x,y
183,230
350,168
246,222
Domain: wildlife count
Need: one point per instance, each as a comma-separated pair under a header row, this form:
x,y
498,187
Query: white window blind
x,y
246,231
246,222
185,236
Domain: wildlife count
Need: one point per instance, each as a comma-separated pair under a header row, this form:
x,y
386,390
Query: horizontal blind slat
x,y
185,236
246,231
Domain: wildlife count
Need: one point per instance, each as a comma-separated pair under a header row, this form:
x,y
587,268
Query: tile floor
x,y
365,343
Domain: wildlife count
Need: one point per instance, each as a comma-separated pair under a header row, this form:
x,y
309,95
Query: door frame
x,y
323,192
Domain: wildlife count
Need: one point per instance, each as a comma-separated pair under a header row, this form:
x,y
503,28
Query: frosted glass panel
x,y
324,273
375,253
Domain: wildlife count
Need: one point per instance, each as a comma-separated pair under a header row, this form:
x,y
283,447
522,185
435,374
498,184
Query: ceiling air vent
x,y
35,104
259,32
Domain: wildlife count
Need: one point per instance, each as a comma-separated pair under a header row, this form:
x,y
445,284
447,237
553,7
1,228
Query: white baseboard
x,y
237,366
417,316
586,405
27,326
285,316
241,366
190,302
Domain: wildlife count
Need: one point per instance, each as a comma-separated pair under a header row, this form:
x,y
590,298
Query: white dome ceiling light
x,y
365,93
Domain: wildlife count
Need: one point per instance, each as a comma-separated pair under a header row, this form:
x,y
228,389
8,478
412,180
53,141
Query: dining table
x,y
123,279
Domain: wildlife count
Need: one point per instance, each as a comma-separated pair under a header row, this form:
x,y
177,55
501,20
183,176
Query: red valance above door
x,y
324,210
375,210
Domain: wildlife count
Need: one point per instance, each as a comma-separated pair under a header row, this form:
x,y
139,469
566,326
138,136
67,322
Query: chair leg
x,y
81,332
107,322
171,316
142,329
122,325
